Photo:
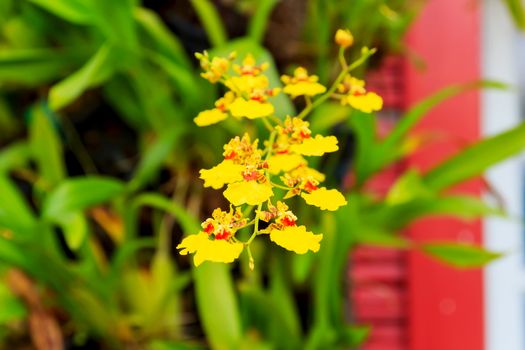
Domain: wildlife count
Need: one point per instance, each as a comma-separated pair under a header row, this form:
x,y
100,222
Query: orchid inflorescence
x,y
251,172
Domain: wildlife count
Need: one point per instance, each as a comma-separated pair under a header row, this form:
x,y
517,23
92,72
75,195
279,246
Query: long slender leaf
x,y
166,43
476,158
216,301
36,66
16,155
154,158
15,213
95,71
188,223
416,113
217,305
78,194
259,20
517,11
46,146
211,21
460,255
75,11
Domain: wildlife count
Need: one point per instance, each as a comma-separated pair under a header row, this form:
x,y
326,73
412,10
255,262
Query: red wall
x,y
445,305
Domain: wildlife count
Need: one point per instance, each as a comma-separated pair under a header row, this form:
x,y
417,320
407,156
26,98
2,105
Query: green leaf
x,y
184,78
216,299
187,221
217,305
260,18
398,216
15,213
11,308
155,157
99,68
475,159
126,250
115,19
36,66
165,345
517,11
460,255
78,194
367,158
16,155
166,43
283,300
211,21
409,186
46,146
75,229
75,11
354,336
377,237
327,116
420,110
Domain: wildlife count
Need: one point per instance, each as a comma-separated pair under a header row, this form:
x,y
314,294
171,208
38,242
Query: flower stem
x,y
269,147
364,56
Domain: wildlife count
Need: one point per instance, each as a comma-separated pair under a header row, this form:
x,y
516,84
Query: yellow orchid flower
x,y
251,109
325,199
316,146
302,84
206,249
248,192
357,96
223,173
296,239
284,162
209,117
368,103
215,68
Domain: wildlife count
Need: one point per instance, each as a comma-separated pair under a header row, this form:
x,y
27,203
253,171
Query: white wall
x,y
505,278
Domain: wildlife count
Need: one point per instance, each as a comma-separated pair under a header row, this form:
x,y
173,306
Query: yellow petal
x,y
304,88
284,162
314,173
344,38
206,249
223,173
325,199
210,117
249,192
316,146
250,109
296,239
247,83
366,103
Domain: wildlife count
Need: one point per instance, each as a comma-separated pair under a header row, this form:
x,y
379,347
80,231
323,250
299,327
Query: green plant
x,y
64,56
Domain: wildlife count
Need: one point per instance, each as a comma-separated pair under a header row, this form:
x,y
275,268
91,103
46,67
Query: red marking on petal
x,y
231,155
310,187
250,175
287,221
209,228
222,235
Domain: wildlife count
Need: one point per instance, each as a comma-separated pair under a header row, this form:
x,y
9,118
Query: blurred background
x,y
99,161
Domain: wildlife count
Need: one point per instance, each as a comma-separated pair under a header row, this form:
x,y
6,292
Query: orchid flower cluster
x,y
251,171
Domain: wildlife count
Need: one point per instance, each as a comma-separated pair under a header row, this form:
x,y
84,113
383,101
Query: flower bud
x,y
344,38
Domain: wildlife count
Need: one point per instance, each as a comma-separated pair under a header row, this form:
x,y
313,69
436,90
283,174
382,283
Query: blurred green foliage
x,y
54,55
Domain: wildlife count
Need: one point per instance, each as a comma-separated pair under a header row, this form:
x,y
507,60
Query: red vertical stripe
x,y
445,305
